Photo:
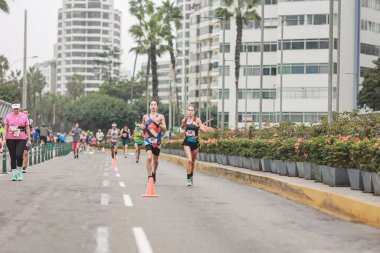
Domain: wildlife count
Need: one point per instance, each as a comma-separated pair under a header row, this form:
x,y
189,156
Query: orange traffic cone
x,y
150,191
113,164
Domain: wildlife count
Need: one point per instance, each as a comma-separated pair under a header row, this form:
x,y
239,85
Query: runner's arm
x,y
162,125
142,125
183,123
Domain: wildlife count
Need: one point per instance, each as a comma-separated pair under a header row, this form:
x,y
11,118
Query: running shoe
x,y
154,177
192,182
19,177
125,156
24,171
137,161
189,183
14,177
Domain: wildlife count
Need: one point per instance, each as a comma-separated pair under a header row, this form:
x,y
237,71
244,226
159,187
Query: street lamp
x,y
200,76
18,60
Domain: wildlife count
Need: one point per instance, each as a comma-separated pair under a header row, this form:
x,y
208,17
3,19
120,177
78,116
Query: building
x,y
183,49
86,30
164,71
305,58
202,71
49,70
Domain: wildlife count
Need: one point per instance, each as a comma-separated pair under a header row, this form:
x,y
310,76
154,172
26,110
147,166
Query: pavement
x,y
341,202
83,205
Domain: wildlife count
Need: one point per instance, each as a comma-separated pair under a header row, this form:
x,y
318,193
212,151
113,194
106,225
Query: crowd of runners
x,y
18,134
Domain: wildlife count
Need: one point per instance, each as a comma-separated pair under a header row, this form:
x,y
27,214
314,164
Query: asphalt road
x,y
83,205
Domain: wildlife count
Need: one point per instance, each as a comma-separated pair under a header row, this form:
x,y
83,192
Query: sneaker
x,y
19,177
154,177
137,161
189,183
125,156
192,182
23,171
14,178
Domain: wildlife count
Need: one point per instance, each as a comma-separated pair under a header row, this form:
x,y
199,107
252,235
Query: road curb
x,y
332,203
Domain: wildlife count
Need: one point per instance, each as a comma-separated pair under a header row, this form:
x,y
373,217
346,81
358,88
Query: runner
x,y
16,132
138,140
113,134
153,125
125,133
26,151
99,138
1,135
191,125
76,133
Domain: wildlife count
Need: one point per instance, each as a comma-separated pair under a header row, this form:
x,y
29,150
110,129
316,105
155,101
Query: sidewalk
x,y
341,202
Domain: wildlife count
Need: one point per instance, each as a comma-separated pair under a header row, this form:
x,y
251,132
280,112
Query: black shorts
x,y
155,151
43,138
193,145
113,145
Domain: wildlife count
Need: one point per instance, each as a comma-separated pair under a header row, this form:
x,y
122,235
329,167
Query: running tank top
x,y
152,133
114,135
124,134
191,129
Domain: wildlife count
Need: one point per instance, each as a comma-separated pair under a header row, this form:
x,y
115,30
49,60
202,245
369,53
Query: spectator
x,y
36,136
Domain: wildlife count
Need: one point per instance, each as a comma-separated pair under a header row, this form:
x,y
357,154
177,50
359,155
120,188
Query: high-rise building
x,y
49,70
89,33
305,58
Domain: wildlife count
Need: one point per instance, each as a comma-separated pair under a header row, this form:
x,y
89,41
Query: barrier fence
x,y
40,153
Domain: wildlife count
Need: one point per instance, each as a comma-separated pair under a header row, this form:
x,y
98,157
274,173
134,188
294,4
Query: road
x,y
82,205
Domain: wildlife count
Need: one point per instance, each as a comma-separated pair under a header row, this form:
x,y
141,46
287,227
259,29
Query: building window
x,y
226,94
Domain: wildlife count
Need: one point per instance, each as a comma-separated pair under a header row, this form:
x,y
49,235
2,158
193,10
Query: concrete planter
x,y
255,164
274,168
164,150
246,163
300,169
281,167
376,183
175,151
241,162
356,180
201,157
309,170
233,160
266,165
291,167
335,176
211,158
181,153
367,181
225,160
318,173
219,158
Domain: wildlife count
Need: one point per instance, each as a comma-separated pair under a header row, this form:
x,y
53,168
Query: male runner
x,y
76,133
153,125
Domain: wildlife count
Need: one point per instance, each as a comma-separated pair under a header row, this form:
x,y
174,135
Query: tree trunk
x,y
239,33
153,56
173,62
147,83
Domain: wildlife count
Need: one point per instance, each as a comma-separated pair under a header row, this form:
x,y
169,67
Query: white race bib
x,y
153,140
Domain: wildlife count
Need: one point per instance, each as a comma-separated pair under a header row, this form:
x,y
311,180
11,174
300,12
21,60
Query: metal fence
x,y
40,153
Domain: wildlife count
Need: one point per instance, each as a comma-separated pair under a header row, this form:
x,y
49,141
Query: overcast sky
x,y
42,31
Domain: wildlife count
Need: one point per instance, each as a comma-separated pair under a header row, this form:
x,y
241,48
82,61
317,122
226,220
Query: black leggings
x,y
16,151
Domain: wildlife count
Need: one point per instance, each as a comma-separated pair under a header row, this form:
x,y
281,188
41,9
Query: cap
x,y
16,106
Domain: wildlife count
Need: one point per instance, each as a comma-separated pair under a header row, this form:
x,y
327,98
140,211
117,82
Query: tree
x,y
243,11
99,111
124,89
370,93
4,6
171,15
4,67
75,86
10,92
149,32
106,62
36,82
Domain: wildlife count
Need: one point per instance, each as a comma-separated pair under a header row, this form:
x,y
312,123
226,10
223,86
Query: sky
x,y
42,31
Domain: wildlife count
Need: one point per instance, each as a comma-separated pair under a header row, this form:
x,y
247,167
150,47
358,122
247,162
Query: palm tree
x,y
171,16
4,6
243,11
149,32
36,82
4,67
75,86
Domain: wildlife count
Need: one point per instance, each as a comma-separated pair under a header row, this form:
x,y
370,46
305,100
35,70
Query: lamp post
x,y
261,66
331,50
24,83
246,83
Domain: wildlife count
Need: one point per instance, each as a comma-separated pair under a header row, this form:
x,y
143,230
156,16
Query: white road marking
x,y
127,200
116,169
131,153
104,200
142,241
117,174
106,174
102,240
122,184
106,183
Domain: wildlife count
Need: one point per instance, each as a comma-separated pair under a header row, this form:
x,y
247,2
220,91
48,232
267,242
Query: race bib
x,y
124,135
153,140
16,133
190,132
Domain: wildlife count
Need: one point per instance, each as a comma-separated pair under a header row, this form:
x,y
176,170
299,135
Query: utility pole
x,y
281,64
223,69
338,55
261,66
24,81
331,50
246,84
